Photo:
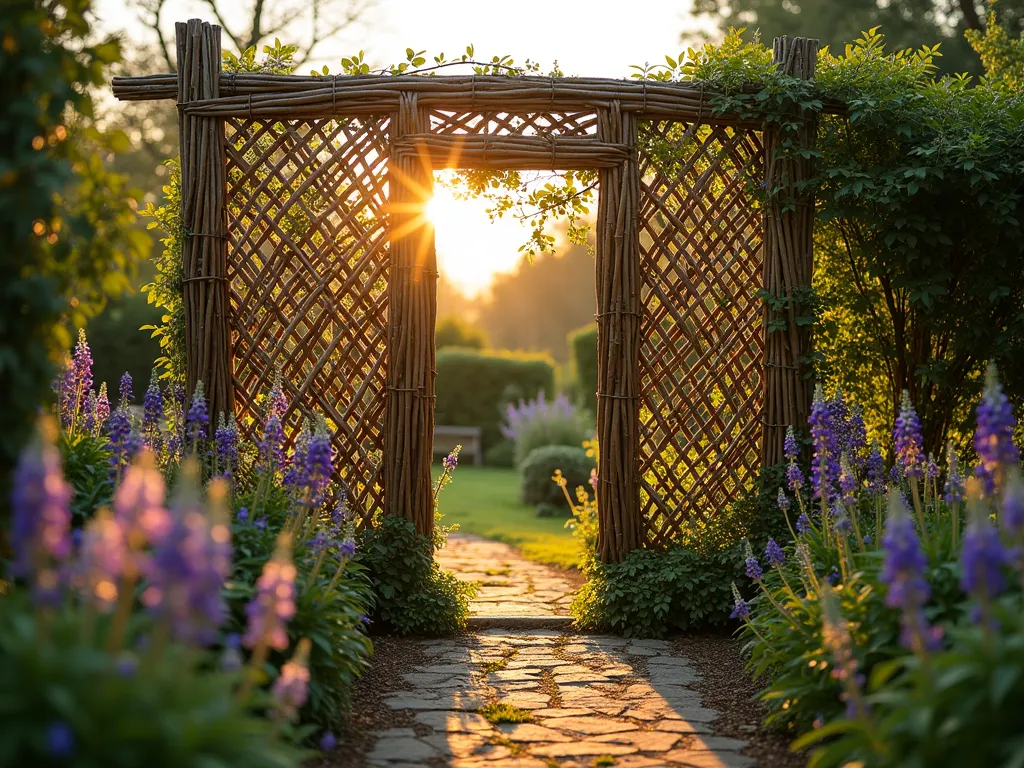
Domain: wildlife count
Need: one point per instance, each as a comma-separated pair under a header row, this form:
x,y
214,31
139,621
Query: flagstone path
x,y
584,701
510,585
580,700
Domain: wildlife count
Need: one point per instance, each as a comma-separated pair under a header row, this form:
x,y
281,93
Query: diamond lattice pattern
x,y
308,266
700,241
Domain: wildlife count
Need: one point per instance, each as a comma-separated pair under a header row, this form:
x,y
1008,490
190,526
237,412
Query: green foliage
x,y
86,461
414,596
540,465
652,593
583,358
330,607
473,387
170,709
1001,54
166,289
454,332
118,345
500,712
909,23
64,221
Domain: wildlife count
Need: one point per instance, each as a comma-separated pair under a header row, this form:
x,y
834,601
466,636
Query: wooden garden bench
x,y
446,438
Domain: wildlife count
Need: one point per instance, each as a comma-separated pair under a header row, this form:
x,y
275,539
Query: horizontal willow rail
x,y
517,153
294,96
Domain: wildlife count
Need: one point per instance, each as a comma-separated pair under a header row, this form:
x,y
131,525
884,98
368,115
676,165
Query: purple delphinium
x,y
102,406
274,603
789,447
783,501
823,438
993,436
931,470
277,402
753,568
243,515
906,435
794,477
260,523
803,523
138,503
67,393
198,417
125,390
119,442
271,445
774,554
187,570
856,441
954,487
348,547
982,559
83,370
740,608
1012,516
225,440
41,519
903,574
875,468
847,481
89,424
152,412
317,468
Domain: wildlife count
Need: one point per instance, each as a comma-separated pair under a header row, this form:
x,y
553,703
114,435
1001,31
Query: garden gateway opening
x,y
307,247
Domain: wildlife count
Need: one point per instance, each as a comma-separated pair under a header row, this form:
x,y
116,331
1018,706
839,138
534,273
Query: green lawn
x,y
485,501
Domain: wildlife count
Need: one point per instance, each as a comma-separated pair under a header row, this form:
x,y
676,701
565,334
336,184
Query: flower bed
x,y
175,599
890,630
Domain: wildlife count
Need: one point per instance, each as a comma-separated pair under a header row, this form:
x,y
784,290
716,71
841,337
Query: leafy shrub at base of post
x,y
652,593
540,466
414,595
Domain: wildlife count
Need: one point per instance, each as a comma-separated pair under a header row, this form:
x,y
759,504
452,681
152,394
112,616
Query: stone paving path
x,y
585,701
579,700
510,585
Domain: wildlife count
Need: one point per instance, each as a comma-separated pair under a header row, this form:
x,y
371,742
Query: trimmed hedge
x,y
473,387
583,351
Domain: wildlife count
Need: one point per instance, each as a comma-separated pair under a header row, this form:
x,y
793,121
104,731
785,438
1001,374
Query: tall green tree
x,y
66,242
905,23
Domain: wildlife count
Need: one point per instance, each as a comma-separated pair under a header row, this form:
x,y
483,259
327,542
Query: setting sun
x,y
471,249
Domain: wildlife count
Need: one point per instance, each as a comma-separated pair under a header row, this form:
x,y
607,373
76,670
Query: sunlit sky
x,y
596,38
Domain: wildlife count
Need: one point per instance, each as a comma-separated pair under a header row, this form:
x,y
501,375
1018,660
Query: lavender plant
x,y
538,423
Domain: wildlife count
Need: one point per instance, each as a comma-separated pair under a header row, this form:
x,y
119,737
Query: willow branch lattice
x,y
310,251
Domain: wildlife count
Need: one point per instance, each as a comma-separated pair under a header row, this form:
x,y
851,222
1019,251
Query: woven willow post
x,y
788,262
412,311
204,251
620,528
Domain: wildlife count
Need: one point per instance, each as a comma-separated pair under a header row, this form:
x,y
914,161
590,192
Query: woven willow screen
x,y
700,357
308,270
308,250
